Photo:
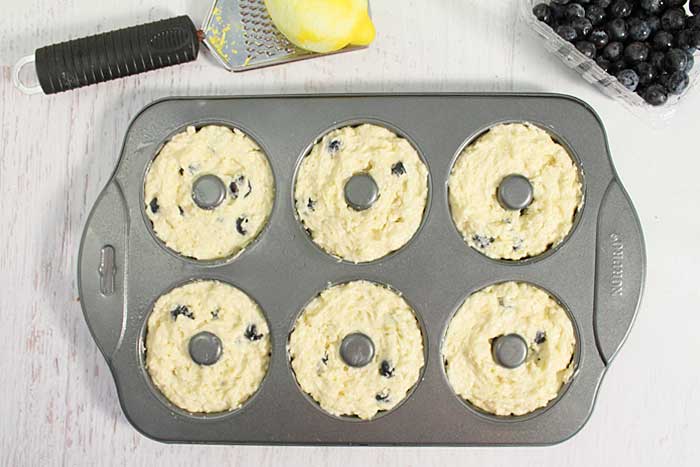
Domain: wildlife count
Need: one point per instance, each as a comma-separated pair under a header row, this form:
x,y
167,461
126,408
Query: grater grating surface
x,y
241,35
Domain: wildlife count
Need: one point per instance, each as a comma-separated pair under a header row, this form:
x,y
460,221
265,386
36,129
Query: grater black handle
x,y
115,54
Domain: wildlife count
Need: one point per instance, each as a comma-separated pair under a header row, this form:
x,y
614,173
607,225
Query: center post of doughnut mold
x,y
509,351
361,191
357,349
208,191
514,192
205,348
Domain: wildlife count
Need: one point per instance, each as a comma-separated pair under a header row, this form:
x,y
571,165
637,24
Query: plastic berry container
x,y
606,83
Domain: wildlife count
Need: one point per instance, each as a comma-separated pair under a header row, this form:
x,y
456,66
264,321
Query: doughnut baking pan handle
x,y
115,54
102,269
620,270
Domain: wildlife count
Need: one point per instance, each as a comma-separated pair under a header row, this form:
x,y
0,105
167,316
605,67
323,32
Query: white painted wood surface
x,y
57,399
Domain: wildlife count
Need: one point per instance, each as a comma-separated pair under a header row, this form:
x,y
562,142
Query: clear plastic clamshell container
x,y
606,83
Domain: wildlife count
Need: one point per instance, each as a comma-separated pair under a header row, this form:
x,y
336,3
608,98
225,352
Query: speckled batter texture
x,y
225,230
473,184
383,316
402,179
235,319
498,310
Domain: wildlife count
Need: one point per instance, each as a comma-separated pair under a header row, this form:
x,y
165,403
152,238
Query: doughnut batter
x,y
225,230
235,319
370,309
499,310
557,193
393,219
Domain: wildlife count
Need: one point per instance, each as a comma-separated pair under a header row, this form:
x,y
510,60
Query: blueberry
x,y
676,60
639,30
636,52
181,310
693,22
684,39
677,82
673,19
691,62
656,59
662,78
241,224
616,67
652,6
595,14
334,146
663,40
398,169
540,337
236,185
617,29
382,396
654,23
636,14
482,241
646,73
613,51
557,13
574,10
233,186
599,38
543,12
517,244
311,205
561,2
582,26
694,39
251,333
386,369
602,3
603,63
154,205
621,9
695,6
586,48
629,79
566,32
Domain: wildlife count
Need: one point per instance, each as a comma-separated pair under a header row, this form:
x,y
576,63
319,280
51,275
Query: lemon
x,y
322,25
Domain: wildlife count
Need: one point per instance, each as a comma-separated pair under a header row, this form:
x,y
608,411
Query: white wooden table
x,y
57,400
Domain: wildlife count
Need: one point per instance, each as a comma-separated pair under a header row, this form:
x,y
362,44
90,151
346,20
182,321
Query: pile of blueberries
x,y
648,45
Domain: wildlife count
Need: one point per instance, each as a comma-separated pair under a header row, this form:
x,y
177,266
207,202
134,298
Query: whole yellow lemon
x,y
322,25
